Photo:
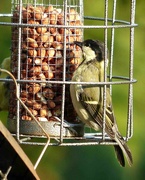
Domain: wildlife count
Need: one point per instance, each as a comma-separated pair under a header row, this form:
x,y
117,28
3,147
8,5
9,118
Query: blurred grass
x,y
98,162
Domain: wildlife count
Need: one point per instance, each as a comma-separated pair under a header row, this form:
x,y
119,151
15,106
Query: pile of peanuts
x,y
42,51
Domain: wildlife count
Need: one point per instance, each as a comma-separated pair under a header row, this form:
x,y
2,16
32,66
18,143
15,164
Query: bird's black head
x,y
92,49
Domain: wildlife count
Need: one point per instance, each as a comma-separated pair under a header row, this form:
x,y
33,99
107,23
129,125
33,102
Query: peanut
x,y
49,9
43,38
45,66
41,30
31,21
73,15
32,52
42,78
53,17
56,111
53,30
31,42
48,93
49,74
44,111
33,111
50,53
33,104
24,94
37,13
27,118
45,21
49,42
58,55
59,37
40,97
35,71
51,104
33,33
41,52
38,61
37,106
26,15
35,88
57,45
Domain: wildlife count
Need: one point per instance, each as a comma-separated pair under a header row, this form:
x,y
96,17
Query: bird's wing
x,y
95,109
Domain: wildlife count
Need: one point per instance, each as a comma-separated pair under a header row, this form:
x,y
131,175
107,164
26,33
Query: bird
x,y
88,100
4,86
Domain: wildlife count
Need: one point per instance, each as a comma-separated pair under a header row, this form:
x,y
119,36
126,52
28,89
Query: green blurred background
x,y
98,162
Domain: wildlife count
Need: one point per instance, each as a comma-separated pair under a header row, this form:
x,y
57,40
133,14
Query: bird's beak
x,y
78,43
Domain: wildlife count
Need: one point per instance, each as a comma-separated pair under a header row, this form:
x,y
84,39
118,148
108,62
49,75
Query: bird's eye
x,y
89,45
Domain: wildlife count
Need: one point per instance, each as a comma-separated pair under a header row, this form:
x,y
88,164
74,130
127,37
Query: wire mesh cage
x,y
40,47
43,59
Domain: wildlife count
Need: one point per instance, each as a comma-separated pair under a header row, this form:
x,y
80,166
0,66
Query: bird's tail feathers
x,y
121,149
119,155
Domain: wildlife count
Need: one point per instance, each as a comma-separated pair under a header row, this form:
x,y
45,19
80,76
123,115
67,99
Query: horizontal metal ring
x,y
123,80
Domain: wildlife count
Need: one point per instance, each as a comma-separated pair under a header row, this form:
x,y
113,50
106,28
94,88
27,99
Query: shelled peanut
x,y
42,59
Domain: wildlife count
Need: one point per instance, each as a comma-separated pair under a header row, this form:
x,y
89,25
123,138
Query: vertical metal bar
x,y
105,69
81,6
112,44
130,97
19,68
64,73
34,3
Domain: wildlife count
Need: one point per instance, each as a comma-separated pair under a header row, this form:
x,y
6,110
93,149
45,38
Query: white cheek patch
x,y
88,53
